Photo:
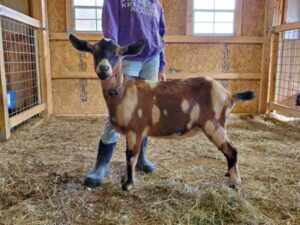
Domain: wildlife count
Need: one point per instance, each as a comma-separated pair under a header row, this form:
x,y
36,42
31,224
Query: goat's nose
x,y
104,68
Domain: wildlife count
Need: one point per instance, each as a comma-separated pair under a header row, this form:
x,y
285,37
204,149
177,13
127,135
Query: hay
x,y
42,169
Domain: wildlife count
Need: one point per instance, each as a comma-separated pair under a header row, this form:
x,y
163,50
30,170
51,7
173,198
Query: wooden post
x,y
39,12
238,17
4,119
272,68
273,14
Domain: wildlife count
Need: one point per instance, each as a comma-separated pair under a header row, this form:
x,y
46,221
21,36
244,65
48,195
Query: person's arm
x,y
110,19
162,65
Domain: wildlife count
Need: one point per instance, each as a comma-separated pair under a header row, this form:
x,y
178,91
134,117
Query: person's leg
x,y
149,71
105,151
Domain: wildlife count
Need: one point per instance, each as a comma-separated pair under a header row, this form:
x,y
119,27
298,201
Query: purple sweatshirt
x,y
128,21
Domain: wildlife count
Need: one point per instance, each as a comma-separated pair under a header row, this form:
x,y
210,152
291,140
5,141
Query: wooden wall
x,y
77,91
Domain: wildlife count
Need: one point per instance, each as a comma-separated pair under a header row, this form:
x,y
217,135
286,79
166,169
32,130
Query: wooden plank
x,y
272,68
39,11
4,127
189,17
272,18
220,76
287,27
238,17
170,38
20,118
5,11
285,110
70,16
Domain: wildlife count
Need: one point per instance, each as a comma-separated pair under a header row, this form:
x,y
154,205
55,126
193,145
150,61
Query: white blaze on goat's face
x,y
104,63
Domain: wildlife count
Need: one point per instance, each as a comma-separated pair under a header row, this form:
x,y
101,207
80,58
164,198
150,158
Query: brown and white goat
x,y
139,108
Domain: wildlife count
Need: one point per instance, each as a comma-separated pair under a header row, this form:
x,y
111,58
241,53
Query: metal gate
x,y
286,81
19,63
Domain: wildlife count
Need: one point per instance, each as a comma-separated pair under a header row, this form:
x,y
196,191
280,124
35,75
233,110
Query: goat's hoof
x,y
127,186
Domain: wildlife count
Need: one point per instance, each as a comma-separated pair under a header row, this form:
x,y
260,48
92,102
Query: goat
x,y
139,108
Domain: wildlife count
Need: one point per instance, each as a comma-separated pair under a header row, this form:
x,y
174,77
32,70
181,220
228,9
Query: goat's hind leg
x,y
217,134
132,153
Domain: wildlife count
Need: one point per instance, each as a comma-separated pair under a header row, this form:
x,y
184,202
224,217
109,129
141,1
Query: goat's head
x,y
106,53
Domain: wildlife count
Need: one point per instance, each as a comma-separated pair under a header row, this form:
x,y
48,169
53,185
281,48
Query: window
x,y
214,17
87,15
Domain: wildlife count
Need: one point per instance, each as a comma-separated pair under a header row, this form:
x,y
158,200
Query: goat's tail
x,y
244,96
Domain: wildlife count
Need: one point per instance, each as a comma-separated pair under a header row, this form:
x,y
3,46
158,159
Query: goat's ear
x,y
133,49
80,44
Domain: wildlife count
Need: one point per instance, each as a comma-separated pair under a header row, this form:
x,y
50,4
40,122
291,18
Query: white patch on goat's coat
x,y
140,113
155,114
165,112
152,84
219,97
185,105
154,98
194,115
219,136
104,62
126,108
131,138
209,127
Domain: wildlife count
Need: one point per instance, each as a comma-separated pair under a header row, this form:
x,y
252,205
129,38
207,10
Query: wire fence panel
x,y
287,86
21,65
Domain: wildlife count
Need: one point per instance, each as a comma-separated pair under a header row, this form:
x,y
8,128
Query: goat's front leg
x,y
132,152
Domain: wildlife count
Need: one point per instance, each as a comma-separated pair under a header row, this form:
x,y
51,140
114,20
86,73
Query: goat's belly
x,y
179,135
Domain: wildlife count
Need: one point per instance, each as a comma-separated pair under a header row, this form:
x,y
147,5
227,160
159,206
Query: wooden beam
x,y
39,11
4,126
272,68
189,17
69,16
238,17
293,112
287,27
219,76
8,12
20,118
272,17
171,38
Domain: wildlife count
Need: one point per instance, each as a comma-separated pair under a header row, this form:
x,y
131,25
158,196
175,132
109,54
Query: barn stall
x,y
52,114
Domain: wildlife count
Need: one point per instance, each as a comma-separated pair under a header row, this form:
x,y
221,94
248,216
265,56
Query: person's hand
x,y
162,76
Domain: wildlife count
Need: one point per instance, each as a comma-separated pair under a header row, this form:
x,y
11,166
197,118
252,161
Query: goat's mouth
x,y
103,76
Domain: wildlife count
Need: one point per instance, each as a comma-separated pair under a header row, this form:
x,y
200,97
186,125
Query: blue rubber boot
x,y
143,162
94,178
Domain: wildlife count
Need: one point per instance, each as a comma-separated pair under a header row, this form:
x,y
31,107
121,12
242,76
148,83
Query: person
x,y
125,22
